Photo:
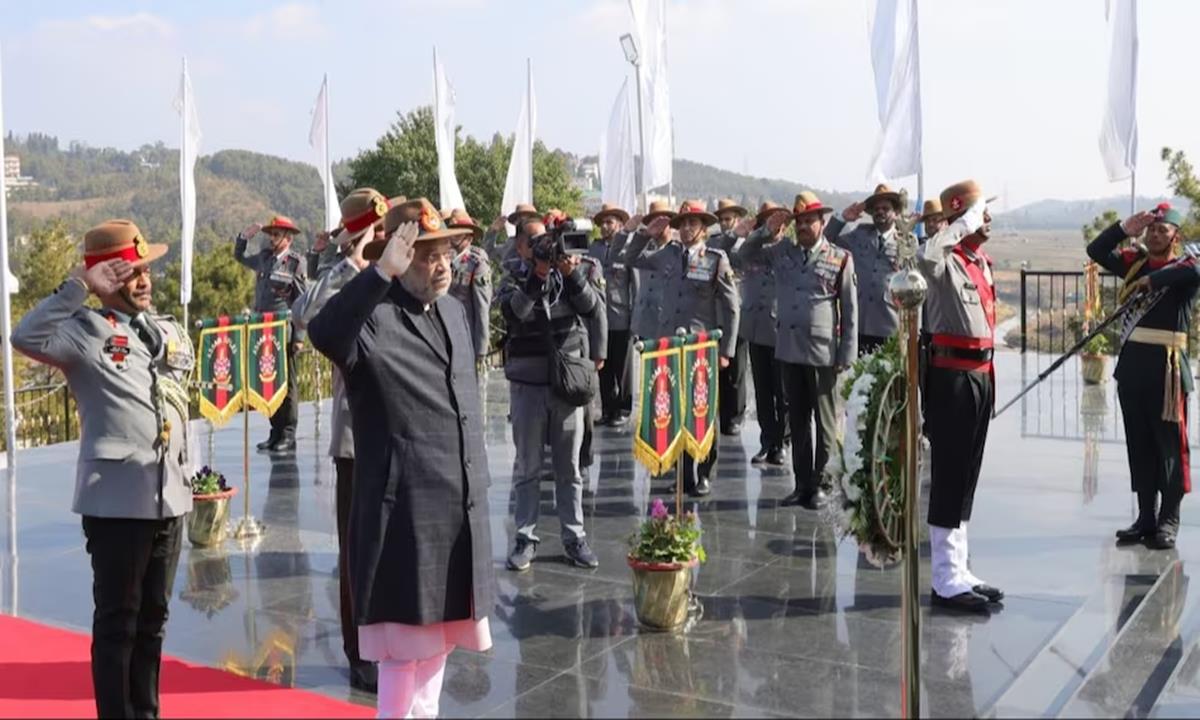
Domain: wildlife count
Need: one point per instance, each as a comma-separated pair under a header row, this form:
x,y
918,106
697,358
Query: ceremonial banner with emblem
x,y
699,392
219,370
659,438
266,361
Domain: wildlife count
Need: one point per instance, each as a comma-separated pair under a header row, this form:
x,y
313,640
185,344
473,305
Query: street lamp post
x,y
629,47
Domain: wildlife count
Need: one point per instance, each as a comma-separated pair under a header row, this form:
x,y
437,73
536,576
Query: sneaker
x,y
522,555
580,555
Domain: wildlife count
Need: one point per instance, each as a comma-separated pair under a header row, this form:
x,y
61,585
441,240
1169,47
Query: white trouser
x,y
411,688
948,558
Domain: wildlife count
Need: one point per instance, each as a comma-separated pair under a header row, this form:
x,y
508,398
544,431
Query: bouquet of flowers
x,y
666,540
208,482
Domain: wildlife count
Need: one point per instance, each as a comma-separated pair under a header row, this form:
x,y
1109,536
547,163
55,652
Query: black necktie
x,y
148,332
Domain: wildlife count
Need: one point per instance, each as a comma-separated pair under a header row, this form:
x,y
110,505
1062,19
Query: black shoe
x,y
364,676
605,420
1135,533
285,444
777,458
580,555
266,444
522,555
702,487
1161,540
992,594
760,457
733,428
968,601
793,499
808,499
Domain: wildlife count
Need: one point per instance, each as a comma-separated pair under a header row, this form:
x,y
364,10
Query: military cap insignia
x,y
956,203
430,220
381,207
140,246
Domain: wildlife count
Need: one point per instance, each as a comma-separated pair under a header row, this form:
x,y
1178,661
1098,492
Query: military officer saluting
x,y
616,393
280,278
733,378
471,283
873,245
645,320
128,369
1153,372
817,332
757,328
960,313
698,294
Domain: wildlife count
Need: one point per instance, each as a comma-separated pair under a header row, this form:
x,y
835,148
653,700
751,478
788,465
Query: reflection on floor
x,y
794,622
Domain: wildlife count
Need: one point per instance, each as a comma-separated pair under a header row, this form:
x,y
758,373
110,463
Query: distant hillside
x,y
1074,214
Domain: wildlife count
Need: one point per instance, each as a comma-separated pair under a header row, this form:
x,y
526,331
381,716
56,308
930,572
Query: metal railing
x,y
1052,305
46,414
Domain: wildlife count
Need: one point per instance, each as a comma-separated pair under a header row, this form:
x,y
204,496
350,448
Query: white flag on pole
x,y
189,148
898,149
8,286
518,184
444,137
1118,130
318,139
882,29
650,29
617,155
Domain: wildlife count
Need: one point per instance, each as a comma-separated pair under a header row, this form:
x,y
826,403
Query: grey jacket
x,y
952,305
697,289
127,402
619,280
817,302
757,324
874,266
471,283
526,357
597,320
279,279
329,282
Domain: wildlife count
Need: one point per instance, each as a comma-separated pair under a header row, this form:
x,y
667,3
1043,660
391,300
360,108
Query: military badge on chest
x,y
826,269
702,268
116,351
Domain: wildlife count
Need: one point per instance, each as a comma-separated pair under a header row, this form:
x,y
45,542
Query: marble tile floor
x,y
794,622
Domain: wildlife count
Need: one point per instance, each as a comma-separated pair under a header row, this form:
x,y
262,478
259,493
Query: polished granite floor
x,y
794,622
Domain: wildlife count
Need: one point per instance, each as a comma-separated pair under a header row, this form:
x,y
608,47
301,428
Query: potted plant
x,y
210,508
1094,360
662,553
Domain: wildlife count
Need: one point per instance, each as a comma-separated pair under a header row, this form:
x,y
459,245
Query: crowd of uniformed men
x,y
400,297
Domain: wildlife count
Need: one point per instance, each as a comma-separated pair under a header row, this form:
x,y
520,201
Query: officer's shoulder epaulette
x,y
838,252
717,251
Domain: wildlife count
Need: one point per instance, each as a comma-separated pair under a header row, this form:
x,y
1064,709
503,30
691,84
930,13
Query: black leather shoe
x,y
777,458
605,421
792,499
971,602
266,444
733,428
702,487
1135,533
760,457
364,676
992,594
1161,540
285,444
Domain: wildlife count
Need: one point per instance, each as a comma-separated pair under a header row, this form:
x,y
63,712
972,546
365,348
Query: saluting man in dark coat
x,y
420,550
1153,373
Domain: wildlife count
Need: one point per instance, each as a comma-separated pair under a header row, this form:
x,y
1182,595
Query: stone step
x,y
1055,674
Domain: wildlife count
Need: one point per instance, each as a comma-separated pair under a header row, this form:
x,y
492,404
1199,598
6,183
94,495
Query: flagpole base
x,y
248,527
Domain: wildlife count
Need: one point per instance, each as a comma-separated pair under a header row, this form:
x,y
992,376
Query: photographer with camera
x,y
546,302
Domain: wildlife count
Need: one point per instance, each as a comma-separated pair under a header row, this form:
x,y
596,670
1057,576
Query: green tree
x,y
220,285
404,162
42,262
1099,224
1182,178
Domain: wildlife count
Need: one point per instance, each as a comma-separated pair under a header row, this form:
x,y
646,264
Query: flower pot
x,y
209,517
660,593
1093,367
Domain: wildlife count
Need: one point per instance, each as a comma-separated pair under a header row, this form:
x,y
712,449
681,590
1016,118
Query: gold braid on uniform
x,y
173,394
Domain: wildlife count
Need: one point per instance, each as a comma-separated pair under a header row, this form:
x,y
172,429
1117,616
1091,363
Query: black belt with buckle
x,y
980,355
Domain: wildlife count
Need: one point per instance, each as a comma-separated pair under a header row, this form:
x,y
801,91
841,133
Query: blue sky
x,y
779,88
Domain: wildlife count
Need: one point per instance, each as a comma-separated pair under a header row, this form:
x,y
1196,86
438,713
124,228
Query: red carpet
x,y
46,672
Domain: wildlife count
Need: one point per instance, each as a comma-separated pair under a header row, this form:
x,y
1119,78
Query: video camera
x,y
564,236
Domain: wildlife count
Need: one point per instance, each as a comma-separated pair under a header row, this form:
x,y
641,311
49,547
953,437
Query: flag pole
x,y
529,116
183,118
10,422
325,157
1133,191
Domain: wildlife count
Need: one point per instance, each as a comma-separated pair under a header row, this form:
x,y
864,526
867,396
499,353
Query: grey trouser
x,y
538,419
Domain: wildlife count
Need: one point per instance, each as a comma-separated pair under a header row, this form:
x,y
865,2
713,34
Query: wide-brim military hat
x,y
808,203
362,210
766,210
658,208
960,196
932,210
728,205
522,211
693,209
119,240
460,219
609,210
281,222
882,192
429,225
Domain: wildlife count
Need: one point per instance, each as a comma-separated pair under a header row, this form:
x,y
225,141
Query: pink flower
x,y
658,510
